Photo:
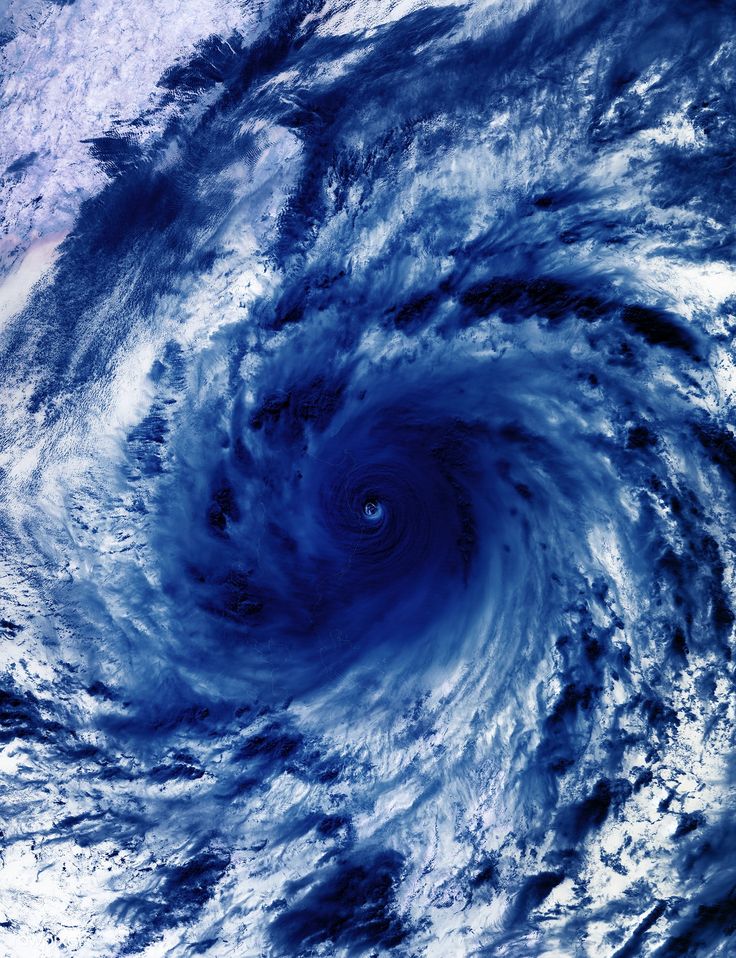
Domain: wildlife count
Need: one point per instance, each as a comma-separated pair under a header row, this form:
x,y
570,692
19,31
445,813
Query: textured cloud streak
x,y
368,492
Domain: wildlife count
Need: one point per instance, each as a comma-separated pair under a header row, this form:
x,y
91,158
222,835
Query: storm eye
x,y
372,510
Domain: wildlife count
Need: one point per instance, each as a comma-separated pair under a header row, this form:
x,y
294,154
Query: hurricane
x,y
367,478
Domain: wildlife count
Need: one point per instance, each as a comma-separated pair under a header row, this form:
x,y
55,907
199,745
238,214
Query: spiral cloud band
x,y
368,479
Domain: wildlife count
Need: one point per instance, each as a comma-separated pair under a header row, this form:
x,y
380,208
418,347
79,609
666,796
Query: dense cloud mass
x,y
368,479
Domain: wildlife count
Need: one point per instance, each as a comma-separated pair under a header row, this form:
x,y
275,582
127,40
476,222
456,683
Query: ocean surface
x,y
367,478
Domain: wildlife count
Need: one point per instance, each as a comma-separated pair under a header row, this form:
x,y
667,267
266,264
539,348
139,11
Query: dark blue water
x,y
368,500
